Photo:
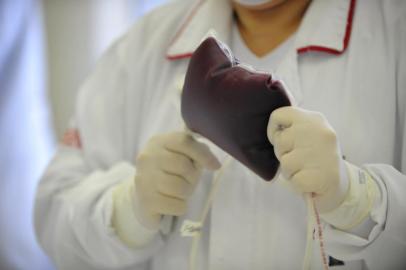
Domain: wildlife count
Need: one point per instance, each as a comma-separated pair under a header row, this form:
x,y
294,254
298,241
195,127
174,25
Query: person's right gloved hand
x,y
168,170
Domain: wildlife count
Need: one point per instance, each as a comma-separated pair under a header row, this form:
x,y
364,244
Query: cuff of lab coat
x,y
124,220
89,207
363,194
351,244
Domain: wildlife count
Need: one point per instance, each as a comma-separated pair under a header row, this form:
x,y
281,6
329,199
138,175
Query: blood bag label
x,y
190,228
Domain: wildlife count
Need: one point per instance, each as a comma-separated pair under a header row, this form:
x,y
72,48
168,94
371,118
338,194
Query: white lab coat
x,y
353,71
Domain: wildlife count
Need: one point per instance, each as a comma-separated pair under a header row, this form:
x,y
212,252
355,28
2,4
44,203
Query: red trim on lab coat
x,y
180,31
345,41
301,50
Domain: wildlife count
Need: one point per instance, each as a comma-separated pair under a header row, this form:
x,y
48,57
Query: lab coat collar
x,y
326,27
205,16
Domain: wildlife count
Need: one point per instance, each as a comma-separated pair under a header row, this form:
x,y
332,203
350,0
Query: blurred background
x,y
46,50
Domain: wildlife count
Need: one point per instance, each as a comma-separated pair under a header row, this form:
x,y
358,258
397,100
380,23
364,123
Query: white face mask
x,y
252,3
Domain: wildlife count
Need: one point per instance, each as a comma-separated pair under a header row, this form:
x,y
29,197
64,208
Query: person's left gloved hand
x,y
309,154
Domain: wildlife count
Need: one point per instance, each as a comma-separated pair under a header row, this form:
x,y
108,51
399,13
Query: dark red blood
x,y
230,105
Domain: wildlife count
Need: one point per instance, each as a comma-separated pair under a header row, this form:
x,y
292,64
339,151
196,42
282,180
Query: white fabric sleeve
x,y
74,203
74,223
385,246
125,221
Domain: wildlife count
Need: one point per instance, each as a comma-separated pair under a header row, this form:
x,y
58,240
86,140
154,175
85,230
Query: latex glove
x,y
309,154
167,173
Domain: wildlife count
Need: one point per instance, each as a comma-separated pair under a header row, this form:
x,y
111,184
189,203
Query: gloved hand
x,y
167,173
309,154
